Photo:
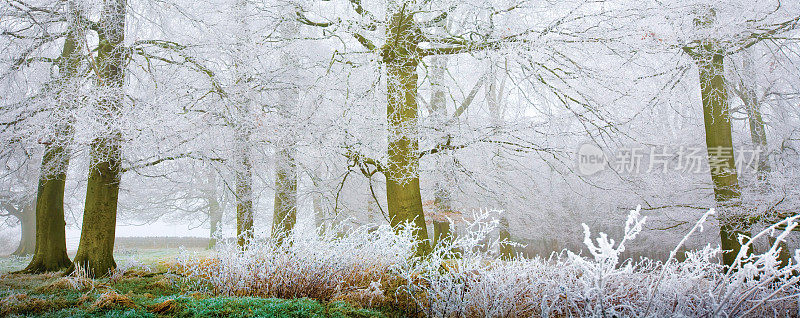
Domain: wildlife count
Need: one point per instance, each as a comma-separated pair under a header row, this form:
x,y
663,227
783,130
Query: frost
x,y
375,266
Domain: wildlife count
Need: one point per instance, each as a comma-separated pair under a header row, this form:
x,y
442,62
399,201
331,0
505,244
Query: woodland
x,y
395,158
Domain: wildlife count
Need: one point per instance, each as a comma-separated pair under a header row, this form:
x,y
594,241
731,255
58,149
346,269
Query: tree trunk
x,y
402,179
494,94
244,190
758,135
243,173
50,253
284,209
96,247
214,211
214,219
719,142
758,131
443,171
285,205
504,235
320,219
442,232
27,222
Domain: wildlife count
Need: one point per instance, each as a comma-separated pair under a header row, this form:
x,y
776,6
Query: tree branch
x,y
165,159
364,41
467,101
300,17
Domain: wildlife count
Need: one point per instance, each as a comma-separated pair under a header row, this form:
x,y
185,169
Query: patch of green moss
x,y
79,313
146,285
342,310
269,307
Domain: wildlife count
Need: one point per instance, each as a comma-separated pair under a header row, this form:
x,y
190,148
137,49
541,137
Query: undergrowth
x,y
373,268
372,272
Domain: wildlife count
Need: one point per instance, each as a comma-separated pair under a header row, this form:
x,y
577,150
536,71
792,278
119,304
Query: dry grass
x,y
163,282
111,300
22,304
166,307
70,283
372,296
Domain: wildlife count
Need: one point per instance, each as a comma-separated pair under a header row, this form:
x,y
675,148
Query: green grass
x,y
13,263
238,307
242,307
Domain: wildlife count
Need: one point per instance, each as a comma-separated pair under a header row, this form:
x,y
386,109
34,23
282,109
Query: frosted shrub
x,y
313,267
458,280
603,285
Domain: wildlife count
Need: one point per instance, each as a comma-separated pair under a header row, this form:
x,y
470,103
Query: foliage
x,y
458,280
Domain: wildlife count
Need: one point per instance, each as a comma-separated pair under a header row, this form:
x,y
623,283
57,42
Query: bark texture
x,y
719,143
51,246
96,247
402,179
50,252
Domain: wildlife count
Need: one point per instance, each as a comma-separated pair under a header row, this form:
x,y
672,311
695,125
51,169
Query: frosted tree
x,y
96,248
18,202
39,26
709,53
285,203
403,35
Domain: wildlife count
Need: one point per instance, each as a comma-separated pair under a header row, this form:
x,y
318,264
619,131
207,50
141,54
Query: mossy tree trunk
x,y
96,248
50,252
719,143
400,55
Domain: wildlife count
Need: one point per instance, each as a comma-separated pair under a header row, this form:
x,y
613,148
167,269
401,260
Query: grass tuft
x,y
113,300
167,307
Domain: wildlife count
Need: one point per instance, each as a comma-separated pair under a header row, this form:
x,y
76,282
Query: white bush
x,y
457,280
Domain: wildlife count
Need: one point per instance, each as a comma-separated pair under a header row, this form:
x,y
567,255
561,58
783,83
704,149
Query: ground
x,y
147,289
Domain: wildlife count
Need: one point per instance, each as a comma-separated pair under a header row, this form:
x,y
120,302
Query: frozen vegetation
x,y
376,267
